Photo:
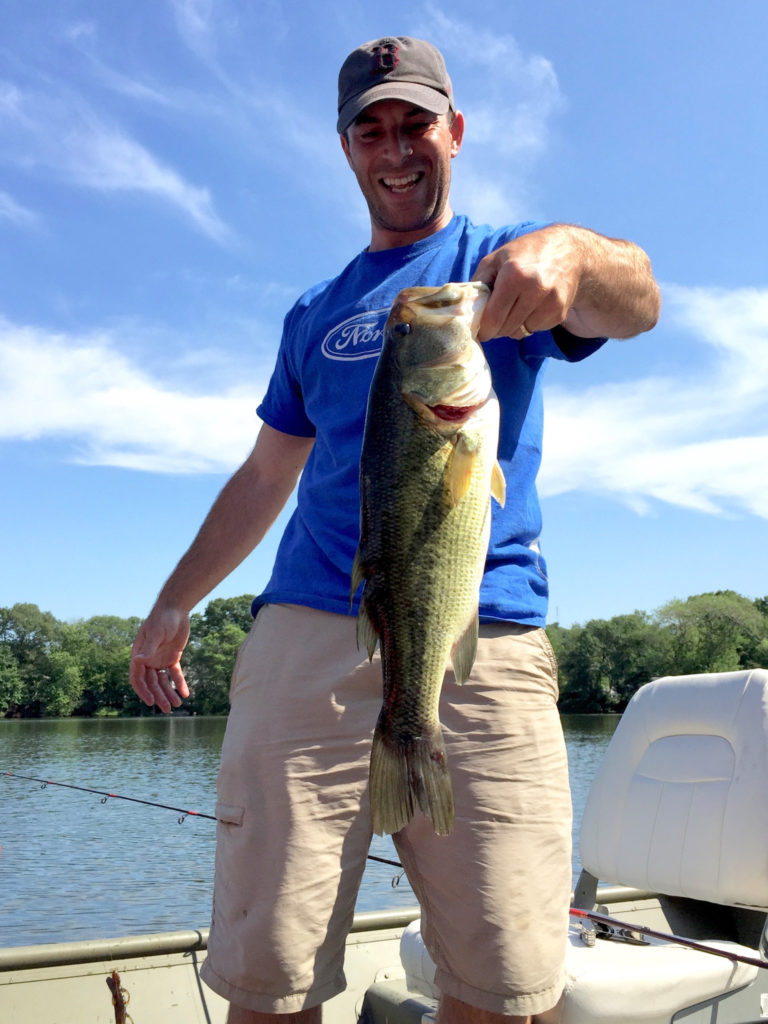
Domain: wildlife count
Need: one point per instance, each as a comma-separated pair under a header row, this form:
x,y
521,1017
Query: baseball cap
x,y
393,68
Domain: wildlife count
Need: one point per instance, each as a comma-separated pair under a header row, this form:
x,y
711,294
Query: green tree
x,y
215,638
222,610
585,683
604,662
28,634
558,637
11,683
107,643
715,632
58,693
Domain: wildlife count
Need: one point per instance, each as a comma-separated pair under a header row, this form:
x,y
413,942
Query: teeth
x,y
400,182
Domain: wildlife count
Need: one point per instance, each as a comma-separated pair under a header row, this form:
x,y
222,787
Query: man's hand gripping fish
x,y
427,472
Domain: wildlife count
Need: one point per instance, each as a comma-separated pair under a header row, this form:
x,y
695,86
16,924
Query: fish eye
x,y
402,328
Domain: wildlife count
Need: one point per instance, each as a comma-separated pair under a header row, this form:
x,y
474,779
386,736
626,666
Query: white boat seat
x,y
417,963
603,980
616,982
677,807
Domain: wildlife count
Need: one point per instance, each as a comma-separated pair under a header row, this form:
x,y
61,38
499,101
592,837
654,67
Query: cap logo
x,y
385,58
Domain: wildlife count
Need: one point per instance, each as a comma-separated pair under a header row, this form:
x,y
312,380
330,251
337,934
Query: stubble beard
x,y
382,216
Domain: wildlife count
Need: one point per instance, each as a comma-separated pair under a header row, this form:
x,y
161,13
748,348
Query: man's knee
x,y
239,1015
453,1011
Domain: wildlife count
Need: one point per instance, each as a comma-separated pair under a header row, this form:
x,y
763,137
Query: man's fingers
x,y
168,697
506,317
154,685
178,680
485,274
137,673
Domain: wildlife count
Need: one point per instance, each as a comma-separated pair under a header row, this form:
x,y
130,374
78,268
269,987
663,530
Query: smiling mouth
x,y
402,183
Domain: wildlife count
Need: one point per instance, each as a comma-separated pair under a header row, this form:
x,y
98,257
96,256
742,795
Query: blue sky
x,y
171,180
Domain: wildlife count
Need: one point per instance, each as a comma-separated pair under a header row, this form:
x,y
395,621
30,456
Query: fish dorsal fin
x,y
460,468
498,484
367,636
464,651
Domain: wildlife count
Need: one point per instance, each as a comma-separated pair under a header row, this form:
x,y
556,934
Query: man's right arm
x,y
243,512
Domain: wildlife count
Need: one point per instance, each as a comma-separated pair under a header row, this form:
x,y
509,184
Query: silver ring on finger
x,y
525,332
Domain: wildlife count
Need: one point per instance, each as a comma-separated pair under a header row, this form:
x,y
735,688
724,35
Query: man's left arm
x,y
561,274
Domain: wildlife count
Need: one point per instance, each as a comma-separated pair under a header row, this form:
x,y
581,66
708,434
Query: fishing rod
x,y
623,930
148,803
114,796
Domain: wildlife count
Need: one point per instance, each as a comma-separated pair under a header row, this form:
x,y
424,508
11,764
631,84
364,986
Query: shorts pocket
x,y
549,651
229,814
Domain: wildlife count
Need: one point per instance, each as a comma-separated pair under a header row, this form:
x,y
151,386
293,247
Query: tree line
x,y
51,668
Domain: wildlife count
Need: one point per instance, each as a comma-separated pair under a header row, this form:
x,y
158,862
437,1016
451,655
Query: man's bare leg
x,y
453,1011
237,1015
450,1011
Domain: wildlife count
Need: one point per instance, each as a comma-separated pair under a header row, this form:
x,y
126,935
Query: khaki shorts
x,y
294,820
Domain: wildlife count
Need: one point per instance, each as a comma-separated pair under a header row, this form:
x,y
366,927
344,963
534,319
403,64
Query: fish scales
x,y
426,478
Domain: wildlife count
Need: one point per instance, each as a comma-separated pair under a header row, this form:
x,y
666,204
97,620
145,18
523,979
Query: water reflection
x,y
586,737
73,867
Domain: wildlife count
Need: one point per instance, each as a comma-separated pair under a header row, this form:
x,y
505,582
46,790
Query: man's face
x,y
401,156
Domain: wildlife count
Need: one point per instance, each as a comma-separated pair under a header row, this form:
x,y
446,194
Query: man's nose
x,y
399,144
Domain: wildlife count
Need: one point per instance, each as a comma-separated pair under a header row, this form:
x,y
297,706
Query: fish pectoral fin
x,y
464,651
367,634
460,468
498,484
357,576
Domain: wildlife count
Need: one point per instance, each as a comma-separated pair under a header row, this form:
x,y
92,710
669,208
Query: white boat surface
x,y
674,839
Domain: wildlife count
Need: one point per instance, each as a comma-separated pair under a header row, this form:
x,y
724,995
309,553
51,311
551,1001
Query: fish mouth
x,y
454,413
441,412
454,299
437,306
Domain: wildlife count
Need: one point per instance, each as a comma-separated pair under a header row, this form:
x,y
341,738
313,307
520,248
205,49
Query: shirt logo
x,y
358,337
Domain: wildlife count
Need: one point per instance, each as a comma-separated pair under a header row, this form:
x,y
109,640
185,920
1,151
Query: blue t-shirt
x,y
319,388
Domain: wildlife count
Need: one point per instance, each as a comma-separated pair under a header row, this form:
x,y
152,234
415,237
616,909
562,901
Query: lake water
x,y
72,867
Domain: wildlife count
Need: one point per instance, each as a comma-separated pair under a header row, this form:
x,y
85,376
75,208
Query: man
x,y
294,823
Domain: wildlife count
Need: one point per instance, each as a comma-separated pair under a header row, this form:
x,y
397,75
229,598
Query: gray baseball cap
x,y
393,68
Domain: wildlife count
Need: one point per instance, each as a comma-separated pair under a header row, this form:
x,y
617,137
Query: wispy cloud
x,y
194,21
520,91
696,441
508,109
699,440
105,158
15,213
72,143
82,391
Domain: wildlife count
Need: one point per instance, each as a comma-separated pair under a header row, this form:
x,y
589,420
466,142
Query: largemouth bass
x,y
427,472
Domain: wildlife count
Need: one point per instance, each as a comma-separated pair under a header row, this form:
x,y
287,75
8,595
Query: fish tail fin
x,y
406,774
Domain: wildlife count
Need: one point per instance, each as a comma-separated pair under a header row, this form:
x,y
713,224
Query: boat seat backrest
x,y
680,802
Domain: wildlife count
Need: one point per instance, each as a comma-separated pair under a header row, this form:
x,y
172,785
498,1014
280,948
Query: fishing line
x,y
44,783
629,931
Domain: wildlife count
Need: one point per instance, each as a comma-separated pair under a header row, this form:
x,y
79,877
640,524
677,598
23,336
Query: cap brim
x,y
420,95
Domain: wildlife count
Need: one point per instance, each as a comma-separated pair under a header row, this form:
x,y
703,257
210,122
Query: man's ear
x,y
457,133
345,147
